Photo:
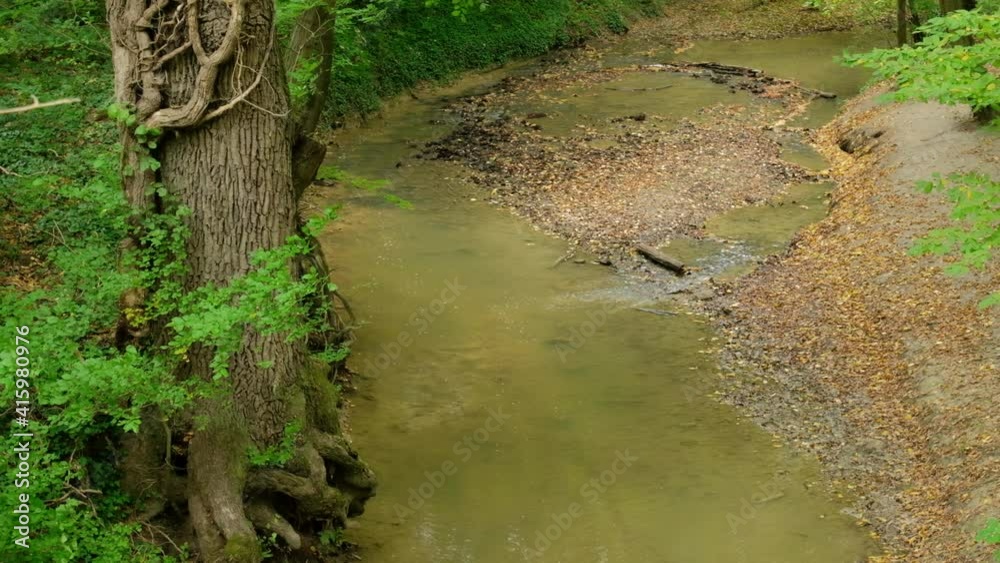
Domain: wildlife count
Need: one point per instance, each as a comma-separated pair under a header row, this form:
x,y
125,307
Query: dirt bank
x,y
873,359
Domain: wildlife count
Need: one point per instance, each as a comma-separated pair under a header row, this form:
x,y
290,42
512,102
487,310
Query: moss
x,y
416,43
242,548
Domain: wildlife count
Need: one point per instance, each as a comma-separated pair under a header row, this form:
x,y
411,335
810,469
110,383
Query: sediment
x,y
874,359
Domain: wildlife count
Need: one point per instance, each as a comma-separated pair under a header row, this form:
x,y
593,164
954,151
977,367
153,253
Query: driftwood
x,y
733,70
724,69
818,93
651,89
661,259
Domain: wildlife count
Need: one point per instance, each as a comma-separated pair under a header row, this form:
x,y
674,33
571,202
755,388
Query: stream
x,y
519,411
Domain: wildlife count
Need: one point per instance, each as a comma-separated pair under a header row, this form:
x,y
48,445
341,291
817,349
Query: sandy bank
x,y
875,359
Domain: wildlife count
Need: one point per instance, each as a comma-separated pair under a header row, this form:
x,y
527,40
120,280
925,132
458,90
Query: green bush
x,y
976,236
412,42
955,63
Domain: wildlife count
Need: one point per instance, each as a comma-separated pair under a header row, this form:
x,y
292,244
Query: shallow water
x,y
768,228
663,95
517,411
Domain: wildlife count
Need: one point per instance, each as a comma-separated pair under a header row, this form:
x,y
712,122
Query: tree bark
x,y
313,39
208,73
902,33
915,22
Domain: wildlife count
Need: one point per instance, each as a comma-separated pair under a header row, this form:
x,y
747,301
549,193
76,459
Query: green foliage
x,y
41,29
976,201
461,8
279,454
84,391
990,534
302,80
951,65
269,298
332,538
398,44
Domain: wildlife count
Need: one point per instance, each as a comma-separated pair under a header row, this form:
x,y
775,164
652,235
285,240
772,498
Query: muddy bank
x,y
873,359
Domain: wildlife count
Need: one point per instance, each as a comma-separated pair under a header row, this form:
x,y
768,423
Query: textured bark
x,y
207,72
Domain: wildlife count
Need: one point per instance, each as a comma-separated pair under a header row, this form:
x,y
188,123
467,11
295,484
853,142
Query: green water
x,y
767,228
497,387
664,96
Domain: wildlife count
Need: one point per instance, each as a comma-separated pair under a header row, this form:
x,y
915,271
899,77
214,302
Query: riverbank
x,y
415,43
753,19
871,358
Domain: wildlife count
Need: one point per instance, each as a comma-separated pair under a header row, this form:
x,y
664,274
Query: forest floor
x,y
748,19
874,359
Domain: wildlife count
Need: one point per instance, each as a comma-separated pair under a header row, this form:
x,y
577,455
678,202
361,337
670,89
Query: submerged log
x,y
819,93
723,69
657,312
711,69
661,259
651,89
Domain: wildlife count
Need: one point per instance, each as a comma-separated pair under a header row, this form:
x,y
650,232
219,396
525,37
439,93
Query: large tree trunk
x,y
207,72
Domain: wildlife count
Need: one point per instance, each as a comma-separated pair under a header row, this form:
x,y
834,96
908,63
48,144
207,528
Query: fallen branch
x,y
640,89
571,253
719,68
818,93
35,104
661,259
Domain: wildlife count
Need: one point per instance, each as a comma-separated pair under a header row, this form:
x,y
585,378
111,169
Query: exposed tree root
x,y
228,501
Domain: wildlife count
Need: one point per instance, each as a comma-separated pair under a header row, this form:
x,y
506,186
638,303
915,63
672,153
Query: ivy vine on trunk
x,y
204,78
